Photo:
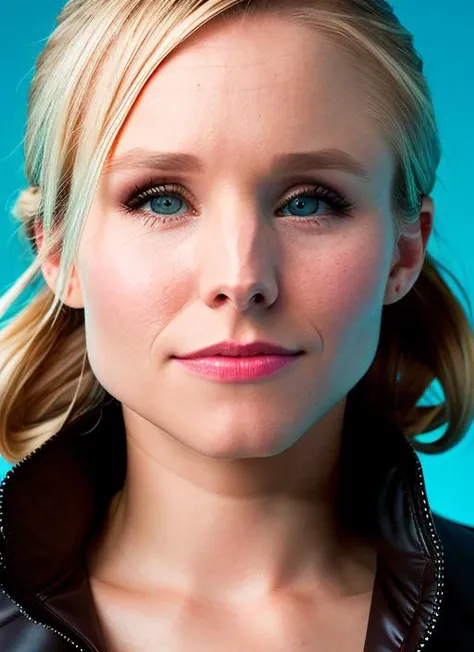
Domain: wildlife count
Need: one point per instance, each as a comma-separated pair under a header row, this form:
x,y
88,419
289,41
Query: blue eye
x,y
314,196
163,204
168,198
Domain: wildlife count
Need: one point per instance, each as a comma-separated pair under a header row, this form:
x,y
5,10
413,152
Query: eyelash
x,y
340,207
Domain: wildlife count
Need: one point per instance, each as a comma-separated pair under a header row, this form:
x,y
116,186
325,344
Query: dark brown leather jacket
x,y
53,502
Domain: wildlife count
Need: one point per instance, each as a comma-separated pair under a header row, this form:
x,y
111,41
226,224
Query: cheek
x,y
130,299
350,317
134,282
345,283
359,289
342,290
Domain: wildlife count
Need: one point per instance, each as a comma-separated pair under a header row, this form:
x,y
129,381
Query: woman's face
x,y
176,274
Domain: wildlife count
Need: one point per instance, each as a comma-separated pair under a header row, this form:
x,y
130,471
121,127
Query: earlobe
x,y
50,270
393,293
73,297
410,254
73,293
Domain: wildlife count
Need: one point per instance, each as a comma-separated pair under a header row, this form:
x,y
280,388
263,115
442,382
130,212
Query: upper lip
x,y
235,349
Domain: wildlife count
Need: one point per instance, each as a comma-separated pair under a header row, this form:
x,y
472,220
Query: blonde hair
x,y
87,78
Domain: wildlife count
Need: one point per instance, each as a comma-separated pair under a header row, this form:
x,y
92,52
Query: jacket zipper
x,y
2,560
438,554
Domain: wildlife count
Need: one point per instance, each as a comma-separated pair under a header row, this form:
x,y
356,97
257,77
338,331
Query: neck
x,y
232,531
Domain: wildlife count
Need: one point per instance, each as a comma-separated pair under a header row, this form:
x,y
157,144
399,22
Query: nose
x,y
238,264
241,297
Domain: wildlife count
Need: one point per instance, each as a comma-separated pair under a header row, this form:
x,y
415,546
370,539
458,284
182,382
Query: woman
x,y
253,177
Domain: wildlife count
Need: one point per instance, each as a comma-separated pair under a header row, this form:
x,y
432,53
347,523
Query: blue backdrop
x,y
443,36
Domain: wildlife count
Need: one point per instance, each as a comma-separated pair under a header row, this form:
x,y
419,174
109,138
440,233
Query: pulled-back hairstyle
x,y
92,69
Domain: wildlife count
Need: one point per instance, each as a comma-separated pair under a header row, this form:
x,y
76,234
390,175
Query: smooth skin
x,y
224,536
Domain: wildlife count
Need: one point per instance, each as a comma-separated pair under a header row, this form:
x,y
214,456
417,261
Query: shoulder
x,y
457,540
454,526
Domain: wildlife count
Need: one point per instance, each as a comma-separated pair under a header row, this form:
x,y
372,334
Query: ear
x,y
50,270
410,252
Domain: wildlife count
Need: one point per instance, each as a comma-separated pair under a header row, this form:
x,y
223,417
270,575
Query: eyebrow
x,y
329,159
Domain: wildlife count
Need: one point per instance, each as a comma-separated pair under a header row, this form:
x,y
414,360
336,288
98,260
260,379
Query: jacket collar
x,y
54,500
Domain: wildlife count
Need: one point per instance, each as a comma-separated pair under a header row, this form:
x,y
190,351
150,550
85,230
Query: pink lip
x,y
232,349
237,369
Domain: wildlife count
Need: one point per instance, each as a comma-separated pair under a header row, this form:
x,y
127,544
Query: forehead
x,y
238,93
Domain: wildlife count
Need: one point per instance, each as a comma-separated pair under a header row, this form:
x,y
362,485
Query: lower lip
x,y
235,370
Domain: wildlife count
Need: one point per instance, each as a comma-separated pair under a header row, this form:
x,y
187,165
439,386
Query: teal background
x,y
443,36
